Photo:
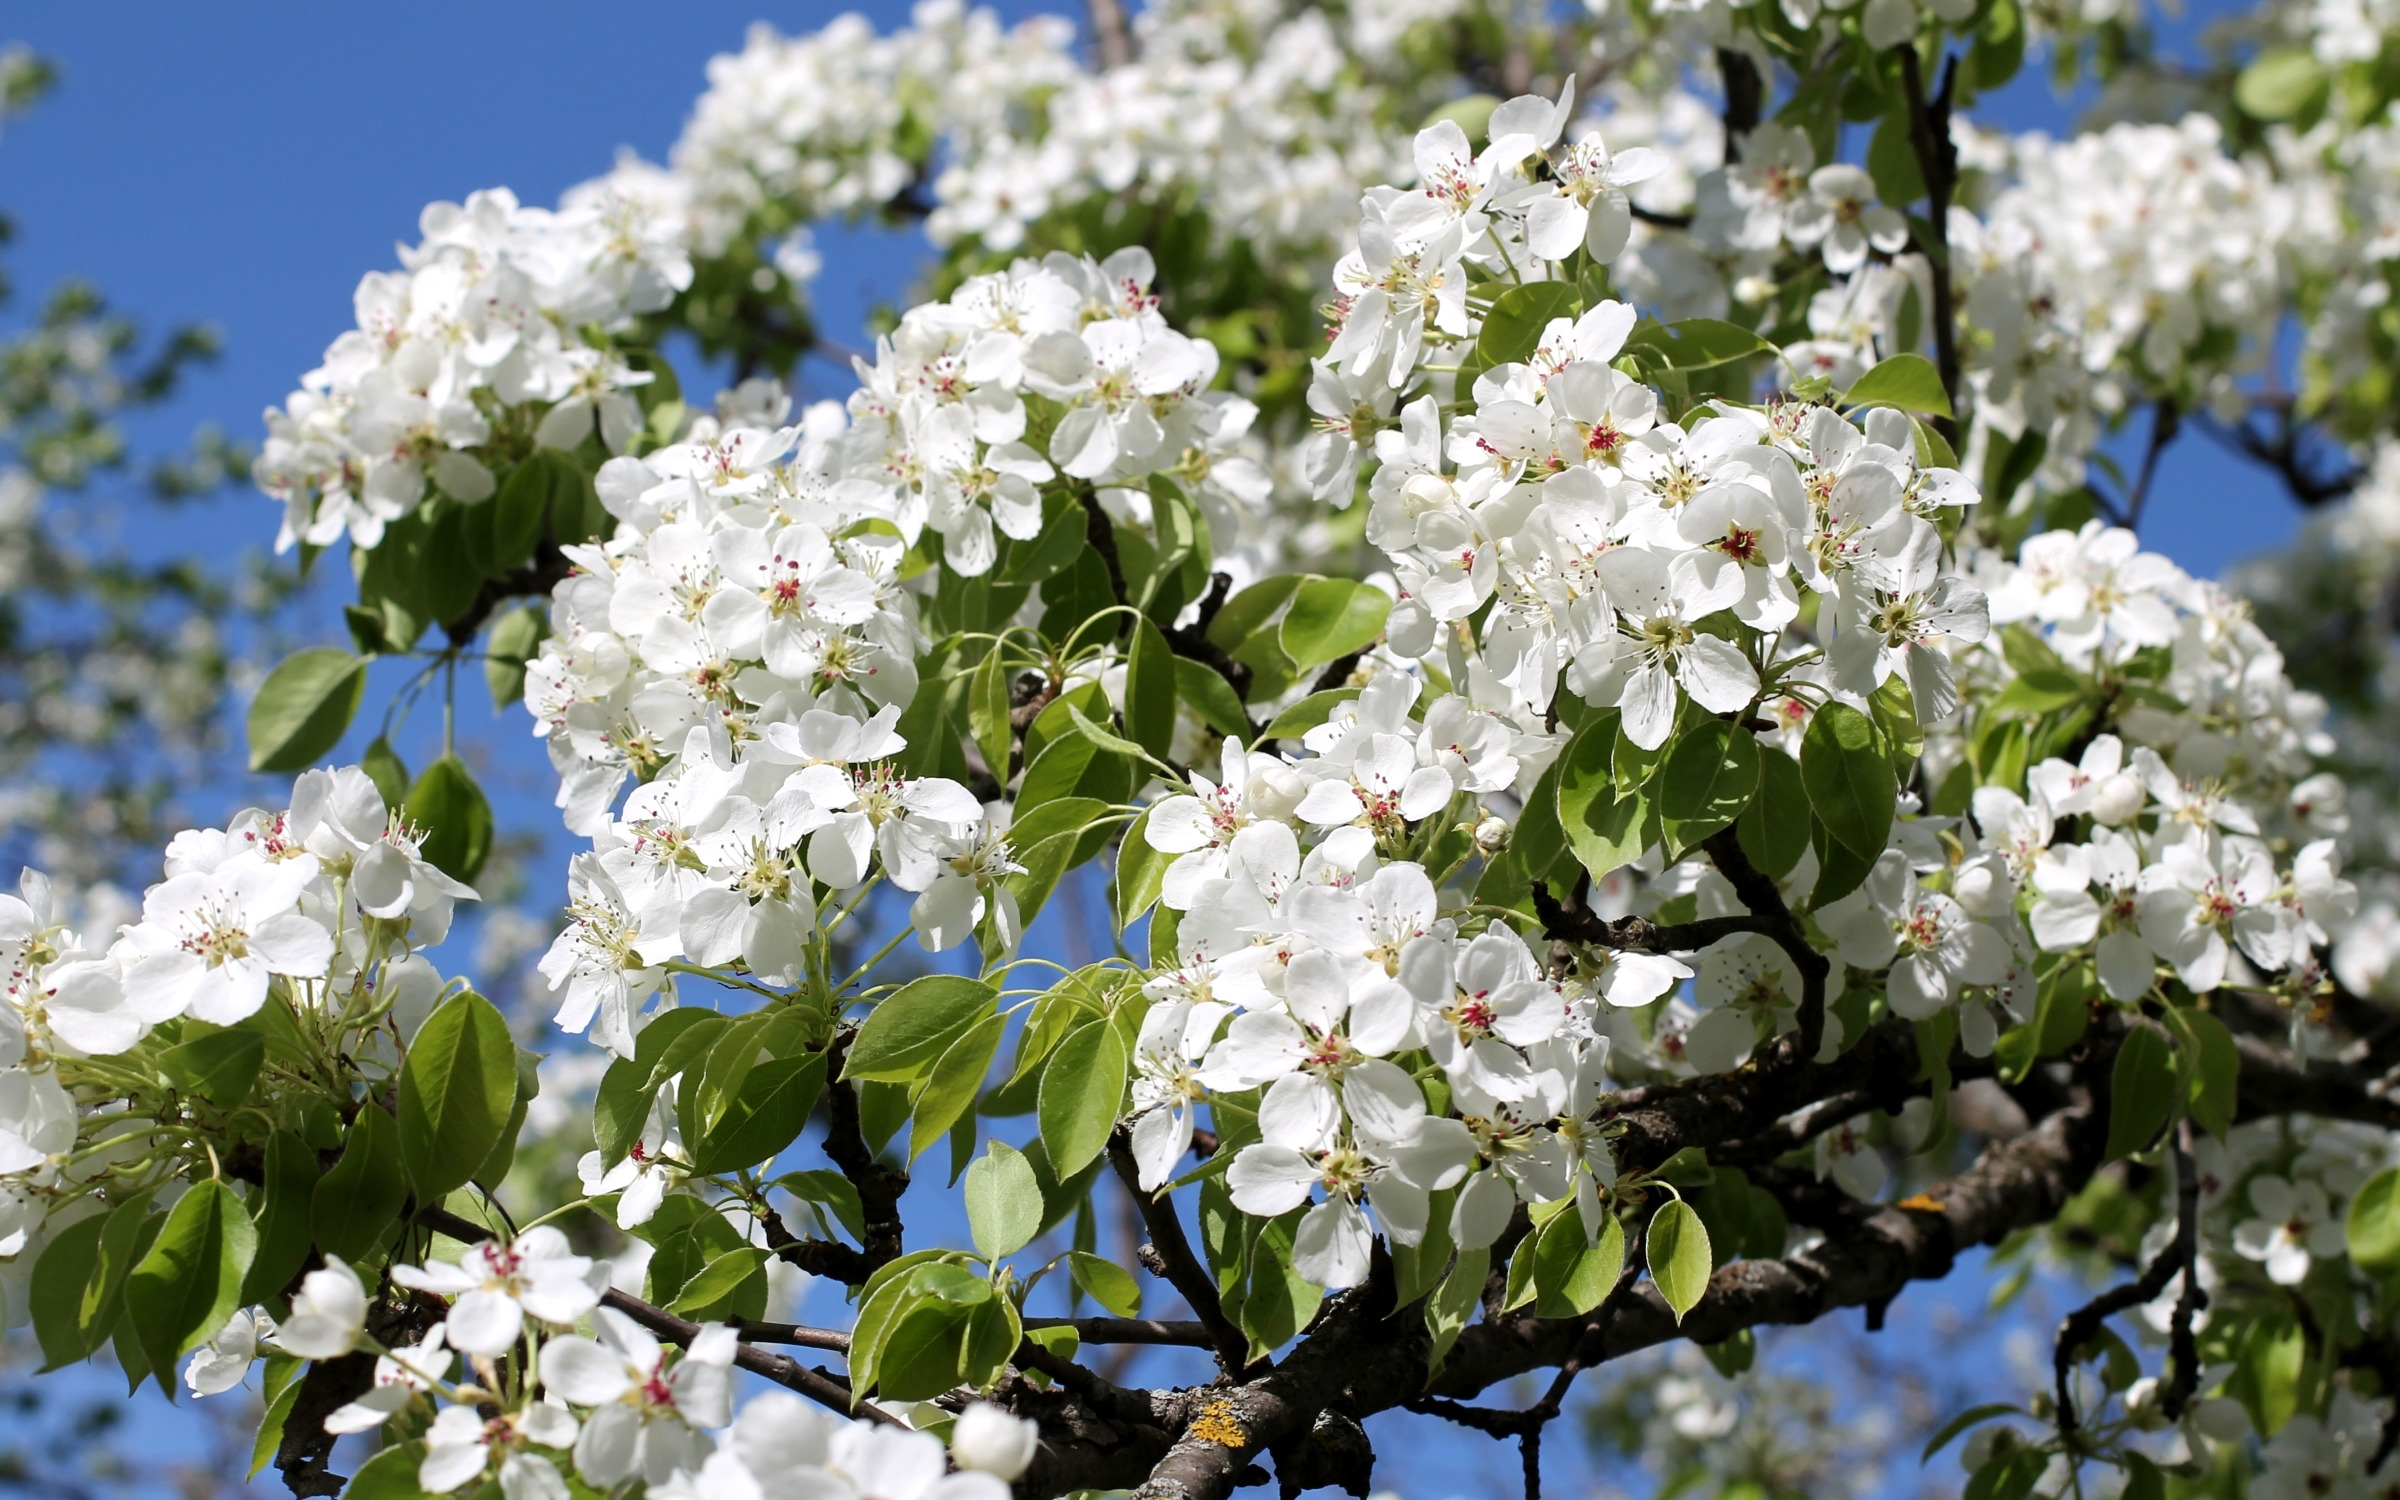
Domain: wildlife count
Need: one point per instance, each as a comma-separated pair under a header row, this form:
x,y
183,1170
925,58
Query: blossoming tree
x,y
1593,644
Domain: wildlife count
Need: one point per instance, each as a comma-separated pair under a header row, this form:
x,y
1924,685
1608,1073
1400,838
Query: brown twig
x,y
1937,163
1183,1268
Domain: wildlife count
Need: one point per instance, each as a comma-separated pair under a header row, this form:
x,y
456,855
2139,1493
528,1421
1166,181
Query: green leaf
x,y
1693,343
723,1281
450,807
1711,774
2143,1481
450,579
387,770
1606,831
1892,162
621,1108
515,639
1332,617
1082,1085
1773,829
1050,840
950,1089
519,512
219,1066
269,1441
1106,1282
1849,782
987,712
2374,1225
1512,331
2040,691
1105,739
357,1201
1004,1202
765,1115
389,1475
922,1353
456,1092
1908,382
909,1030
1308,713
1244,615
1140,874
1211,697
191,1281
2280,83
1063,537
2216,1070
124,1239
282,1217
57,1292
1971,1417
1449,1310
2141,1091
1680,1258
303,708
1150,690
1571,1277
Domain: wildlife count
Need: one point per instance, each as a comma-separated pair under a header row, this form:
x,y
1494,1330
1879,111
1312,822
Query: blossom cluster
x,y
321,907
485,321
1320,966
611,1405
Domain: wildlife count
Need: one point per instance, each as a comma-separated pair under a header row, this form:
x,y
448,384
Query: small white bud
x,y
989,1439
1491,836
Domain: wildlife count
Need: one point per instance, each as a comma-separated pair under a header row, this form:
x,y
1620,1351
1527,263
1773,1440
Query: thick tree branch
x,y
1361,1359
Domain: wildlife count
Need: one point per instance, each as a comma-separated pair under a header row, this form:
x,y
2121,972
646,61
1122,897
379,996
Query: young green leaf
x,y
1082,1085
1211,697
386,769
1513,330
1150,690
765,1115
303,708
1773,829
1680,1259
1004,1201
282,1217
957,1077
2373,1229
457,1090
515,638
450,807
191,1281
356,1202
2141,1091
1906,381
1711,774
909,1030
1106,1282
1849,782
219,1066
1332,617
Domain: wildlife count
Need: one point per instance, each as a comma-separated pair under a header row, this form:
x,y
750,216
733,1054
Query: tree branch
x,y
1180,1331
1937,163
782,1369
1183,1268
2080,1326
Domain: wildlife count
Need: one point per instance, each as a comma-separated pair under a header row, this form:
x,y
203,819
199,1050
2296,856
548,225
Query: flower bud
x,y
1491,837
989,1439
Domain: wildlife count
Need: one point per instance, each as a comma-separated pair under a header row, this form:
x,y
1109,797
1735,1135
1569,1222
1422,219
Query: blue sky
x,y
244,164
